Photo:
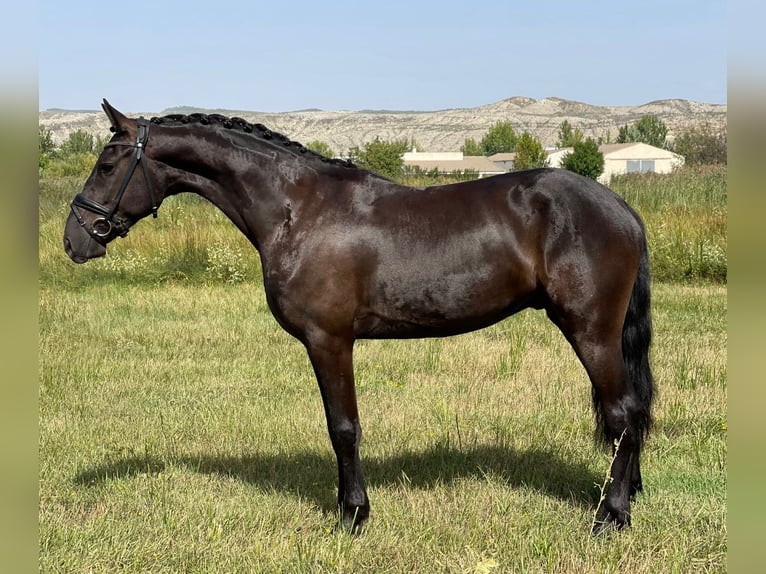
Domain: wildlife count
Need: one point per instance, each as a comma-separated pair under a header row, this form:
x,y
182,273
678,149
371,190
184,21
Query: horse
x,y
347,254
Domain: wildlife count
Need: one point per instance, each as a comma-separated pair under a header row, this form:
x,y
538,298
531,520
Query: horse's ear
x,y
117,119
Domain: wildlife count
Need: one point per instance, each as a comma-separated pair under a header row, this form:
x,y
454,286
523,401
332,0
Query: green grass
x,y
182,431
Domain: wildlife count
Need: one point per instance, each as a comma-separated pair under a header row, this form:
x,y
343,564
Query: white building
x,y
618,159
625,158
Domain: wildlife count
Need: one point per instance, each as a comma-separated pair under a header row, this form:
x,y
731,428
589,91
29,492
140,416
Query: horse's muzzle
x,y
79,245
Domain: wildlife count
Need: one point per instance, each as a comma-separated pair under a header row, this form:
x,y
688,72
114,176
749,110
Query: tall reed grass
x,y
686,220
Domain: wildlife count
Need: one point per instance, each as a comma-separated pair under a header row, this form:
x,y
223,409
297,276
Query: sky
x,y
277,56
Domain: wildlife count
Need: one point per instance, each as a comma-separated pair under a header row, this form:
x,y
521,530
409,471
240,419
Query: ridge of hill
x,y
442,130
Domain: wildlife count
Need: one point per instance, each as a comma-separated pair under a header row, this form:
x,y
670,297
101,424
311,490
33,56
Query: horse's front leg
x,y
331,358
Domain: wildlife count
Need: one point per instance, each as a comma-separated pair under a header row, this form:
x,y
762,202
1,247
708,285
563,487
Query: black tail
x,y
636,340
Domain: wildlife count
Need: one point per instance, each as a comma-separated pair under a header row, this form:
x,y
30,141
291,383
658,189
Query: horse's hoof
x,y
610,523
354,521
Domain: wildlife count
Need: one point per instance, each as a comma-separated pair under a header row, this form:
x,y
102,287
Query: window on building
x,y
640,165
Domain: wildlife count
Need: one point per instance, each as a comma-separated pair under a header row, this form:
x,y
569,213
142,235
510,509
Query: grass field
x,y
182,431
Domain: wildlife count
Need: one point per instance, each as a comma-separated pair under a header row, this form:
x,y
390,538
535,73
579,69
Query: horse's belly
x,y
449,305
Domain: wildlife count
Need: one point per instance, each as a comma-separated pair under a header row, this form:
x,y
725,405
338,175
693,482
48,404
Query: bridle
x,y
103,226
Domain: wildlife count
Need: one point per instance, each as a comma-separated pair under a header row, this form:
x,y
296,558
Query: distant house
x,y
618,159
504,160
451,162
628,158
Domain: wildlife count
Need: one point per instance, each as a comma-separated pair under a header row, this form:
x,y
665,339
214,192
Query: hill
x,y
443,130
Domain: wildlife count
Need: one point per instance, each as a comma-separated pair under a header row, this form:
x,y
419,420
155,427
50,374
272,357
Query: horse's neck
x,y
246,185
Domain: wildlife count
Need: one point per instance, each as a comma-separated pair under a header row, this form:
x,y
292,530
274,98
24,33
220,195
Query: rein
x,y
103,226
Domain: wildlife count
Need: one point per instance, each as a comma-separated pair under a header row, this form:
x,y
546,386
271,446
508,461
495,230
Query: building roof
x,y
618,151
611,148
636,150
480,164
503,156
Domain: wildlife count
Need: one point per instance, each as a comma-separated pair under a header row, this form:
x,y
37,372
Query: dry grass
x,y
181,430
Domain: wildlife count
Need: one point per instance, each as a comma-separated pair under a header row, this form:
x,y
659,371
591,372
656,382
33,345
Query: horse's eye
x,y
106,168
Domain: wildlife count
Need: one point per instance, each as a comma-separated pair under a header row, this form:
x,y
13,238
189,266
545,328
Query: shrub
x,y
499,139
529,153
382,157
702,145
585,159
321,148
649,129
73,165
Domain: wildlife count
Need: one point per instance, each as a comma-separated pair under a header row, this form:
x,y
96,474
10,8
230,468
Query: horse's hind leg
x,y
617,410
596,337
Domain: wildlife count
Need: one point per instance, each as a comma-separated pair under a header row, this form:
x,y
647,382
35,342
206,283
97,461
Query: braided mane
x,y
258,131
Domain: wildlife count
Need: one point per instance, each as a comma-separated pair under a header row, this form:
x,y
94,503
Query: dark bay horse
x,y
347,254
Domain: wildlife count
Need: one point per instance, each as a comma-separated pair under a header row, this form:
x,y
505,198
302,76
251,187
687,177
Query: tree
x,y
382,157
321,148
46,149
529,153
649,129
74,158
702,144
46,140
585,159
470,147
568,136
82,142
500,138
413,145
605,138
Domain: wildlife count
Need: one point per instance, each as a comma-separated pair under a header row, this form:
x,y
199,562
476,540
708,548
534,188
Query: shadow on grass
x,y
312,474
